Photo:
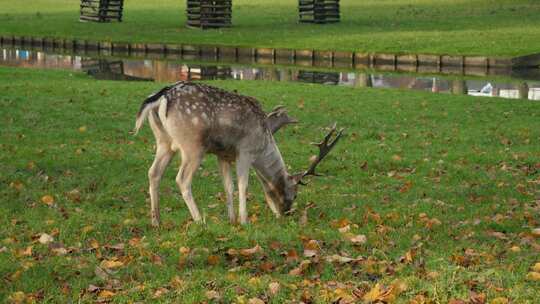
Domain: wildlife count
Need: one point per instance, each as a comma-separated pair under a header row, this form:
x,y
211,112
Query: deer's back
x,y
222,122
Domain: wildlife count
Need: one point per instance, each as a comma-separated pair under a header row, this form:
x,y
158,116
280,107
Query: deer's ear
x,y
279,118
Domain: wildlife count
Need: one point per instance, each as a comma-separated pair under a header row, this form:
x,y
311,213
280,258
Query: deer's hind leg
x,y
191,160
161,161
225,168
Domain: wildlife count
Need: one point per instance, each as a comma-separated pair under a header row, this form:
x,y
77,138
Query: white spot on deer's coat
x,y
204,116
225,121
195,120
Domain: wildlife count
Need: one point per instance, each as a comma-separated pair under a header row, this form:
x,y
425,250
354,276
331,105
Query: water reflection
x,y
171,71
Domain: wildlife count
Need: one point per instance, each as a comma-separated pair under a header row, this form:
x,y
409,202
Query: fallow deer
x,y
196,119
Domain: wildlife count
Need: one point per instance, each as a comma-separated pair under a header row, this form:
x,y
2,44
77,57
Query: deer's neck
x,y
269,164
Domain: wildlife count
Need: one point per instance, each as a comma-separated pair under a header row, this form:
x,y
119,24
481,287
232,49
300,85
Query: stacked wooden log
x,y
209,13
318,11
101,10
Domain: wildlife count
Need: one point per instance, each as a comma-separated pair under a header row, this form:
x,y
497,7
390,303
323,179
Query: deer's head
x,y
281,192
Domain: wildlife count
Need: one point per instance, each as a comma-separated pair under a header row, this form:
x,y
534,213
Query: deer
x,y
195,119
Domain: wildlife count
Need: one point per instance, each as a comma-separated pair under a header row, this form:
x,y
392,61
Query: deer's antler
x,y
325,146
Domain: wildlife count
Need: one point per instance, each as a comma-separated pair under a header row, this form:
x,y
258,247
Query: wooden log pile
x,y
209,13
318,11
101,10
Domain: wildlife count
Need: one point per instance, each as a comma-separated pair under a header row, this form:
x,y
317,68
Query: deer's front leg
x,y
162,159
190,164
243,164
225,168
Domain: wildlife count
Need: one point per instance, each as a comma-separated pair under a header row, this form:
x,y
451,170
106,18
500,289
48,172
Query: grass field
x,y
478,27
444,188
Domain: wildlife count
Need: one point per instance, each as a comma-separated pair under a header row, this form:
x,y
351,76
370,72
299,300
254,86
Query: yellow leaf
x,y
533,276
82,129
499,300
536,267
17,297
378,294
47,199
106,294
255,281
87,229
110,264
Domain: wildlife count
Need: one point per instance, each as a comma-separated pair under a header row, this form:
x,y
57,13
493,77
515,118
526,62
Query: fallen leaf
x,y
255,301
17,297
251,251
45,239
499,300
47,199
377,294
213,260
536,267
100,273
213,295
533,276
106,294
301,268
111,264
358,239
159,292
341,259
274,288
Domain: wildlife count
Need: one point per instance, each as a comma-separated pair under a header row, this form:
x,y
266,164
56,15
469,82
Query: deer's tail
x,y
147,106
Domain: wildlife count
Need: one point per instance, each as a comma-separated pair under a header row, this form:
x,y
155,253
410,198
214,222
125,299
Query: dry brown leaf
x,y
358,239
292,256
301,268
341,259
213,260
47,200
251,251
159,292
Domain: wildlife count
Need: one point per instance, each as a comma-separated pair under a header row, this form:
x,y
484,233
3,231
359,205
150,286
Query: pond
x,y
511,84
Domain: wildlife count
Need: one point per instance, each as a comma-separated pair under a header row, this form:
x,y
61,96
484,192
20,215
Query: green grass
x,y
478,27
471,164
